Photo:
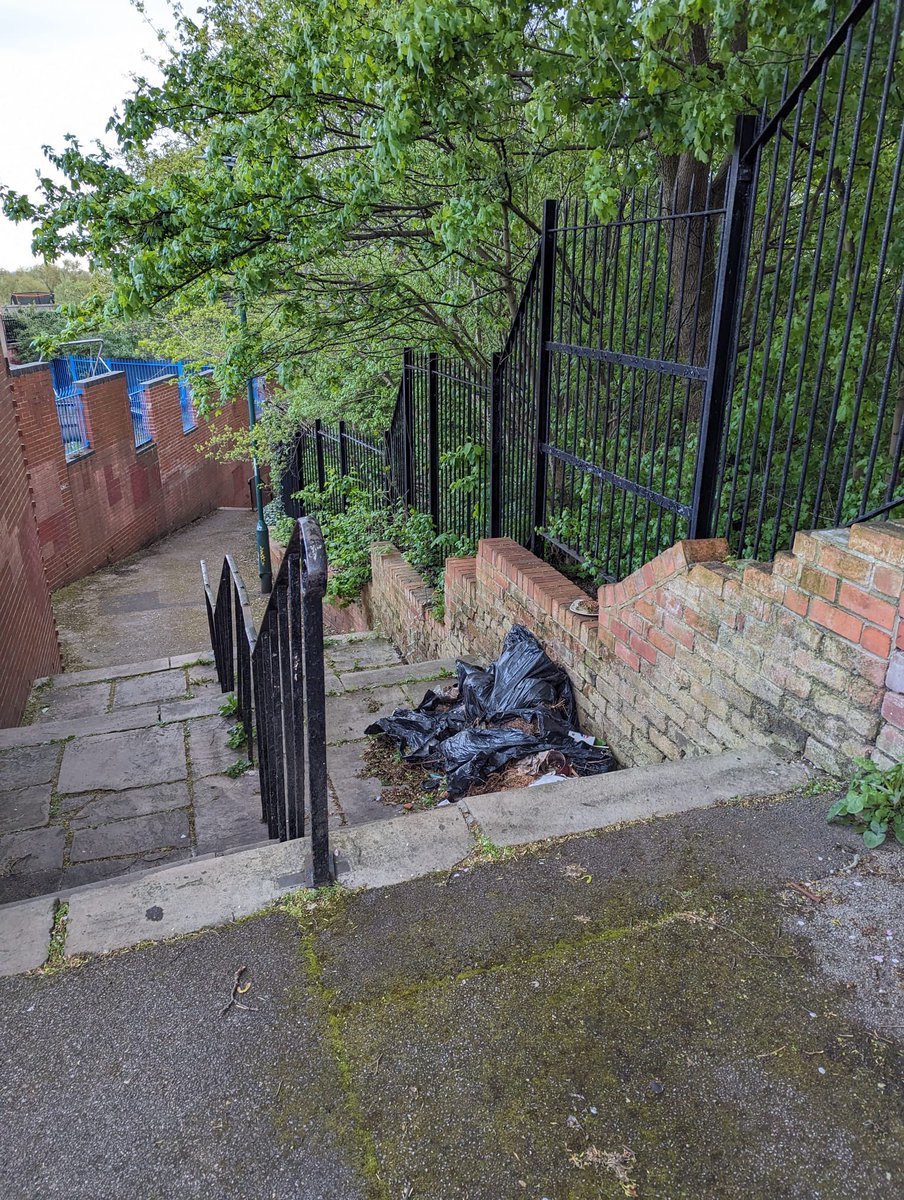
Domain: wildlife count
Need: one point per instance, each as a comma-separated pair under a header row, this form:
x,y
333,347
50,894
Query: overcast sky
x,y
64,67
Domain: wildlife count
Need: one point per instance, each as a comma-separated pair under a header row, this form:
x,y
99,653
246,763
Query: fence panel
x,y
813,430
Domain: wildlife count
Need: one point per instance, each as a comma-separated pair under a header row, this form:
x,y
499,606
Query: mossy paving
x,y
687,1038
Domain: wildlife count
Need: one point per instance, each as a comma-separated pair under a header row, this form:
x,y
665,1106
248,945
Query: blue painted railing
x,y
70,371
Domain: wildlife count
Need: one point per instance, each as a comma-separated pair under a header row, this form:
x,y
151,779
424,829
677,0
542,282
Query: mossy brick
x,y
706,626
822,756
855,659
759,687
788,678
891,741
854,567
805,547
814,665
884,540
818,583
709,699
786,566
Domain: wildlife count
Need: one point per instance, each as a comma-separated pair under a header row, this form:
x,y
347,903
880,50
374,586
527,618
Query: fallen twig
x,y
238,990
815,897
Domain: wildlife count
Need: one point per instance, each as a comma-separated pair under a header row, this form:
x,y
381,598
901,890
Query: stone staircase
x,y
119,799
128,768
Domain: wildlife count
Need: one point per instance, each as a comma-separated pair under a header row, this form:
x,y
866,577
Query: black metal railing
x,y
277,675
721,357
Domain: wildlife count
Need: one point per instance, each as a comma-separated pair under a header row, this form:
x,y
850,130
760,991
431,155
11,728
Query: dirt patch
x,y
402,782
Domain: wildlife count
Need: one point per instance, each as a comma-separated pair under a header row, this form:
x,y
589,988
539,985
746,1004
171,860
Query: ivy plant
x,y
874,803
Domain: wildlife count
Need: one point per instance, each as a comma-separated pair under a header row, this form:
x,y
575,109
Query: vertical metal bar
x,y
433,437
318,450
542,377
496,446
722,343
343,458
274,701
260,720
409,471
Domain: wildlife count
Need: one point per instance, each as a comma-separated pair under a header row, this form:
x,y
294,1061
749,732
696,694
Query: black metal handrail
x,y
277,675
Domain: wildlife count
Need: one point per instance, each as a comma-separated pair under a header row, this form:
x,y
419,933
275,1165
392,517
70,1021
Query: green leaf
x,y
871,839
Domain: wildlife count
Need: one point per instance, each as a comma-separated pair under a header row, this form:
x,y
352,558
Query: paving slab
x,y
555,810
156,831
153,1092
146,689
348,715
435,669
115,671
201,659
207,746
208,705
92,808
96,870
228,813
118,761
25,935
362,655
63,704
356,795
30,862
48,732
27,766
27,808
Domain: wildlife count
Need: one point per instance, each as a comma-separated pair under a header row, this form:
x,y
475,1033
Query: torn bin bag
x,y
476,731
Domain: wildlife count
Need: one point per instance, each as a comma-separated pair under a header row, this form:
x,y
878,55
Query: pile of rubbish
x,y
516,716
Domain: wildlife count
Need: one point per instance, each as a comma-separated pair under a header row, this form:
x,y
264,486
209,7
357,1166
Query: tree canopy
x,y
367,174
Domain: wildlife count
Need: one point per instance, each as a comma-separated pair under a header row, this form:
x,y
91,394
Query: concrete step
x,y
209,891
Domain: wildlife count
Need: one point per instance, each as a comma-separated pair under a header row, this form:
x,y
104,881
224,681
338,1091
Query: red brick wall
x,y
115,499
694,654
61,520
28,640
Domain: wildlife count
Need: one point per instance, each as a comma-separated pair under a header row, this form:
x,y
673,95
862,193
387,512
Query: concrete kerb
x,y
214,890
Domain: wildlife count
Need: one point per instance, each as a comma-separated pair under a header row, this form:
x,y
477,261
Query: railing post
x,y
496,446
408,427
727,301
433,436
542,373
387,466
318,450
343,460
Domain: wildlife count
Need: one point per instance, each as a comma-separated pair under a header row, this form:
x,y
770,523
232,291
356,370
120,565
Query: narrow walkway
x,y
150,605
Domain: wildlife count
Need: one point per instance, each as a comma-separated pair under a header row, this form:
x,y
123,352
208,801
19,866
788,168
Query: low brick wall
x,y
694,653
